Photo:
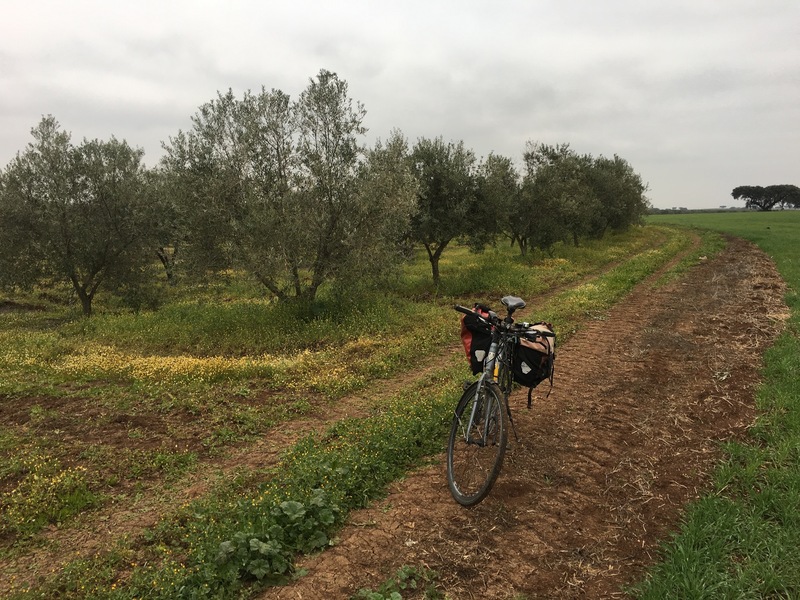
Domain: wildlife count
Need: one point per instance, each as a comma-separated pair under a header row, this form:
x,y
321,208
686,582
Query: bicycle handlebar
x,y
464,309
521,328
491,320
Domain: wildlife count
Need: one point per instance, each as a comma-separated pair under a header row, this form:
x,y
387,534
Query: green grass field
x,y
741,540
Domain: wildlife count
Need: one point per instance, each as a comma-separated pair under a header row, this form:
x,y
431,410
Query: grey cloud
x,y
696,95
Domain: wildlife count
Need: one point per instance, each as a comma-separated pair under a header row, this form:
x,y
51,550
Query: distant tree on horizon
x,y
766,198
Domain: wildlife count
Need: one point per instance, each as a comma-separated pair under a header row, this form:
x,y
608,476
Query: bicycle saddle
x,y
512,303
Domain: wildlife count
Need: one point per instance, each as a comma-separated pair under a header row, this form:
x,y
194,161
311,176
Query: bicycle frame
x,y
496,368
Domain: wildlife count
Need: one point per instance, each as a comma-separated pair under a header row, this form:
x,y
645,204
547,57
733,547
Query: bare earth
x,y
602,467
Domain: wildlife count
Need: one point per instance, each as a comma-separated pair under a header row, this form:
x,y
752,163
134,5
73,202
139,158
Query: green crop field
x,y
740,541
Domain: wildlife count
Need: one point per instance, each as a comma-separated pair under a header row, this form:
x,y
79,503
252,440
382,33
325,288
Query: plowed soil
x,y
602,467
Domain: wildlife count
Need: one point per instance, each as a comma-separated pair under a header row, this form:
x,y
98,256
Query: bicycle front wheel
x,y
477,443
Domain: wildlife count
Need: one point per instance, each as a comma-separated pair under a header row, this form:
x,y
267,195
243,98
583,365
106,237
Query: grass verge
x,y
740,541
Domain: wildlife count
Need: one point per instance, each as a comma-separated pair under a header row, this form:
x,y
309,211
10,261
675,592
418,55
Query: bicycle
x,y
479,432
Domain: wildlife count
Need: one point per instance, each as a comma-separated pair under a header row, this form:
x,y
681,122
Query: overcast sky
x,y
698,96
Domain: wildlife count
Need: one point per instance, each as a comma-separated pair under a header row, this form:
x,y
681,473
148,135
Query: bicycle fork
x,y
474,417
484,405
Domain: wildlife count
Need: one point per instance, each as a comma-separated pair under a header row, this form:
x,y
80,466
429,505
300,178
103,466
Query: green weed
x,y
46,493
414,579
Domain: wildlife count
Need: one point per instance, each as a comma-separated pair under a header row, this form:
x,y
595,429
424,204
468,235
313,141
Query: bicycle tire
x,y
473,467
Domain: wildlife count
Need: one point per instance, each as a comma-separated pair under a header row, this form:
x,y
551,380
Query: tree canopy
x,y
567,196
287,191
766,198
446,196
75,213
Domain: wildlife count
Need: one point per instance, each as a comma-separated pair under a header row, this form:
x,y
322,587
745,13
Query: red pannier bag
x,y
476,336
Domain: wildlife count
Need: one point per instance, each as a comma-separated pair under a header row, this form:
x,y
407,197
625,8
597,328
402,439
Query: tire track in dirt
x,y
602,467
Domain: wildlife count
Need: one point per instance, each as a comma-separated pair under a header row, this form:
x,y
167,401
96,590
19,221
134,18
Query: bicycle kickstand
x,y
511,420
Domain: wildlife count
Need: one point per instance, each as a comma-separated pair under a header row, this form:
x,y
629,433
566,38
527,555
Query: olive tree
x,y
202,177
558,178
74,213
536,220
386,199
446,198
567,196
498,190
621,193
287,191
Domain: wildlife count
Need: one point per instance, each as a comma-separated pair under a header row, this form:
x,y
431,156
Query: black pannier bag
x,y
534,358
476,337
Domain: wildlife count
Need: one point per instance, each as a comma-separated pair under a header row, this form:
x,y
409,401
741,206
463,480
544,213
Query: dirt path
x,y
603,466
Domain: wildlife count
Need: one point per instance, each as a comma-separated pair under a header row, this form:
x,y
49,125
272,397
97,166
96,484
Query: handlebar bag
x,y
476,337
533,359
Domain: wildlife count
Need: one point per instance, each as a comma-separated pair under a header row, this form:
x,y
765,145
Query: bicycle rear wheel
x,y
475,454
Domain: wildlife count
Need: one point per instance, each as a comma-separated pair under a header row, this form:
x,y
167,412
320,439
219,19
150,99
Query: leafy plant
x,y
407,578
290,527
